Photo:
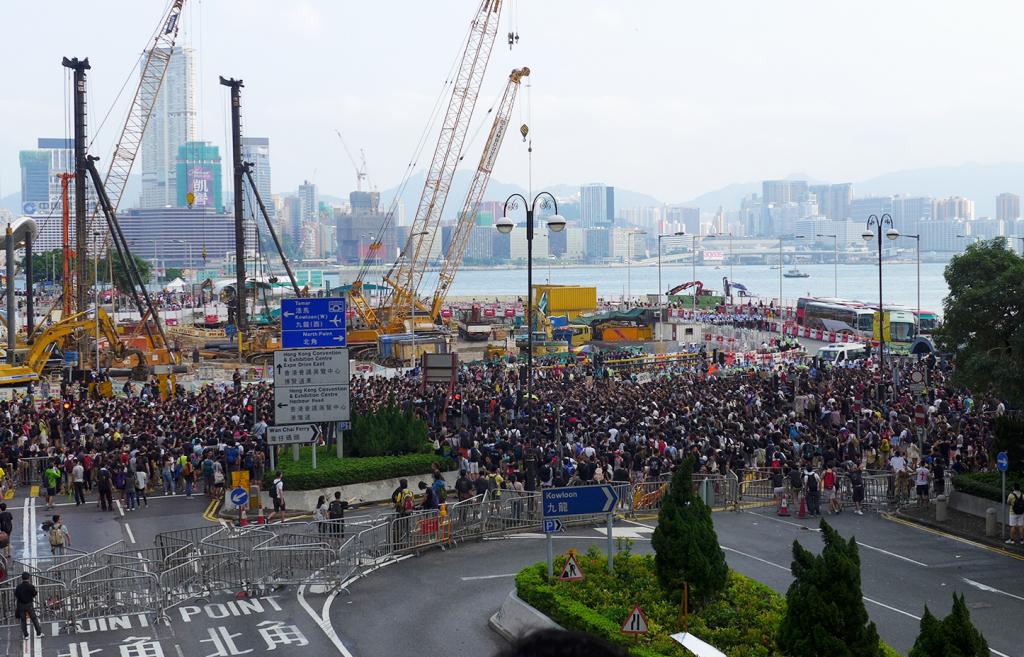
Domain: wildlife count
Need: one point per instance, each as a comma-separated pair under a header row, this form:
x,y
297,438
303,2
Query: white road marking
x,y
893,554
898,611
120,510
33,539
985,587
476,577
626,532
785,522
131,536
25,554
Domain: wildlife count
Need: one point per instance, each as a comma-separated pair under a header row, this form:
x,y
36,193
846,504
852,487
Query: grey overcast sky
x,y
672,98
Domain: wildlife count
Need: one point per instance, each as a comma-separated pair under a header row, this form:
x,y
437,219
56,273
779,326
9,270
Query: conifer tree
x,y
953,636
685,543
825,612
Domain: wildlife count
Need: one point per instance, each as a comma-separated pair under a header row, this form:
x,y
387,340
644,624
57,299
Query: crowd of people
x,y
583,423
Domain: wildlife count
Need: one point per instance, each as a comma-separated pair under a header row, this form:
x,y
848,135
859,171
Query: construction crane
x,y
151,79
471,207
405,275
360,166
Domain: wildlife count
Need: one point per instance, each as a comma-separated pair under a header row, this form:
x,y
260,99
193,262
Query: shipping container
x,y
571,300
612,333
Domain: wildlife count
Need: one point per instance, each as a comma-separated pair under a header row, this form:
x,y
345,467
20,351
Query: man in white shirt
x,y
921,479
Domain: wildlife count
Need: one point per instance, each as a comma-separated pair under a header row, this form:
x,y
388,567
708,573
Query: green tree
x,y
685,543
825,612
121,278
984,319
172,273
46,263
953,636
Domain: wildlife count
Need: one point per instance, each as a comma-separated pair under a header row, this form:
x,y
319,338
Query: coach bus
x,y
856,318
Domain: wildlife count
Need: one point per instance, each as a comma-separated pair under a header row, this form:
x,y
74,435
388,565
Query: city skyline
x,y
667,128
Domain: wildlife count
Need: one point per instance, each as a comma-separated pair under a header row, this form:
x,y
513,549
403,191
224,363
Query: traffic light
x,y
67,405
249,408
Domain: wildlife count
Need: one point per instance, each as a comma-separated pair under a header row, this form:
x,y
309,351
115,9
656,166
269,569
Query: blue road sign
x,y
312,323
1002,461
239,496
579,500
552,526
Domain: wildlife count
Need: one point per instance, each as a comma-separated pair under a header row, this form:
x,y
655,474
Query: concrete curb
x,y
516,619
994,544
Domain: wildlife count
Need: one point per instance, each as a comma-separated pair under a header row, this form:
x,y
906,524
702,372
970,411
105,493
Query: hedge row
x,y
985,484
742,622
332,471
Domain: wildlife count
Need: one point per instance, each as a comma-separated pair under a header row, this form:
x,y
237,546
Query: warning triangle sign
x,y
636,623
571,571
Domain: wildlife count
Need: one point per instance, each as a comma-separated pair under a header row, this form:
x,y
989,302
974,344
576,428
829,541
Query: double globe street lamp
x,y
879,223
556,224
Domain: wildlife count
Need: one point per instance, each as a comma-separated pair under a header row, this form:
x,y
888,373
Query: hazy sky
x,y
671,98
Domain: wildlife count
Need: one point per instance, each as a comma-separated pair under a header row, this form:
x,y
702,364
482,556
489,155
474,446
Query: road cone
x,y
783,509
802,513
260,520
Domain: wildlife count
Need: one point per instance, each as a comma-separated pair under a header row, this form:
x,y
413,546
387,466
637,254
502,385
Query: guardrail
x,y
193,564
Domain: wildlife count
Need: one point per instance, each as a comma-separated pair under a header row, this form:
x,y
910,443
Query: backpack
x,y
812,483
795,480
232,455
335,510
830,480
248,460
441,492
273,489
407,501
56,536
1018,504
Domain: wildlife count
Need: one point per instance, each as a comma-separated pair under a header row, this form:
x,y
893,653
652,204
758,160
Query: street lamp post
x,y
880,223
660,288
96,294
917,244
835,262
629,263
556,224
693,268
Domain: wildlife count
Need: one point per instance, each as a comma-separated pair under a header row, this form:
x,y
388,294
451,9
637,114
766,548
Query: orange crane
x,y
407,272
471,208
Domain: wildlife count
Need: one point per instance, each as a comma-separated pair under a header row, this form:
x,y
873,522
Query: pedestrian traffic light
x,y
248,408
67,405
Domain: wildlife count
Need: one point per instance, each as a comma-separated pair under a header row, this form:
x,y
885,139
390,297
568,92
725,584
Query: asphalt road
x,y
439,603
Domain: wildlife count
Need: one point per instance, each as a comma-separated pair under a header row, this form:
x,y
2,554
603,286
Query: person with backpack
x,y
828,484
1016,503
464,487
440,488
429,498
105,485
60,538
402,498
336,514
277,496
812,485
6,527
320,514
53,477
857,484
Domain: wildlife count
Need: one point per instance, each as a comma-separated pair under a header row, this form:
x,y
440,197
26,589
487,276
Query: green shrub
x,y
953,636
685,542
985,484
332,471
389,431
825,612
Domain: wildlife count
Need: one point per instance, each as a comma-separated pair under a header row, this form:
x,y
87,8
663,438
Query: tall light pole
x,y
693,267
660,288
556,224
880,223
835,262
917,244
781,321
629,263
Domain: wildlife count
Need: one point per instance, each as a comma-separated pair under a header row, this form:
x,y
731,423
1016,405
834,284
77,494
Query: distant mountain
x,y
497,191
979,182
12,202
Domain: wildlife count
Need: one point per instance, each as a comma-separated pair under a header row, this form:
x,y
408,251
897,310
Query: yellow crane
x,y
406,273
471,207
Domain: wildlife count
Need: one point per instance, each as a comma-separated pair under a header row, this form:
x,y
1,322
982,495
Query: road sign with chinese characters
x,y
579,500
286,434
312,323
311,385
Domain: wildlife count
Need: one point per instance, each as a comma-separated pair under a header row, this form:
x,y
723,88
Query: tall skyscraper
x,y
172,123
597,205
862,208
688,217
954,207
257,151
41,189
823,194
198,172
839,198
310,200
909,211
1007,206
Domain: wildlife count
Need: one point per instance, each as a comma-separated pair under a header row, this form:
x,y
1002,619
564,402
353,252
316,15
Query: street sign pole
x,y
1003,462
611,543
341,443
551,556
315,443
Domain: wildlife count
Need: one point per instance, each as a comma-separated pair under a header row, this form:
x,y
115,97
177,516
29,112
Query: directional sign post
x,y
580,501
239,496
312,323
287,434
552,526
311,385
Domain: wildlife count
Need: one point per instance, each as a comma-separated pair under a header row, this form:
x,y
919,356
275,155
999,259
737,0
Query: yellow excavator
x,y
30,369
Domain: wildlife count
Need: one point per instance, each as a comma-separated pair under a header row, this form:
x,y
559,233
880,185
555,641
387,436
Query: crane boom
x,y
151,78
407,272
471,208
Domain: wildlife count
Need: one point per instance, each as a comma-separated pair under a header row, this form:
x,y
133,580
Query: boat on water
x,y
796,273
